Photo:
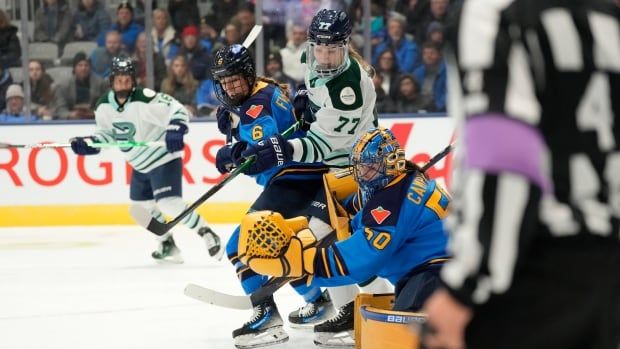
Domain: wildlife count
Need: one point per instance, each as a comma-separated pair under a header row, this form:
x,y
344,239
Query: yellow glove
x,y
272,245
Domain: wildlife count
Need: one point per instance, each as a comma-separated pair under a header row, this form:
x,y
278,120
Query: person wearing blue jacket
x,y
406,50
126,26
432,77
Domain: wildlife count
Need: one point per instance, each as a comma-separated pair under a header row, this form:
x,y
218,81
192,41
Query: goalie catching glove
x,y
272,245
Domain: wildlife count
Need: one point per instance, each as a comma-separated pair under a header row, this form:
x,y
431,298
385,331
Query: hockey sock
x,y
174,205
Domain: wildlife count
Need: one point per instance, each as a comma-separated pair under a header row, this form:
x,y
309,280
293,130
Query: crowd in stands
x,y
406,46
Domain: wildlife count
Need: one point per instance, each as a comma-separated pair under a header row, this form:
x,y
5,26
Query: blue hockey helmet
x,y
228,61
377,158
328,38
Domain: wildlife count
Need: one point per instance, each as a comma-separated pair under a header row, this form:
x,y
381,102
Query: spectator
x,y
273,69
183,13
208,35
206,100
10,49
434,33
162,32
415,12
222,11
15,110
126,26
139,58
52,23
245,16
90,19
232,33
432,77
383,103
180,83
408,99
76,96
138,14
388,68
101,58
41,90
406,49
291,54
438,13
197,56
5,81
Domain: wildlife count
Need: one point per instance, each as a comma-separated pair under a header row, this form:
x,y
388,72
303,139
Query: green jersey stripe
x,y
315,135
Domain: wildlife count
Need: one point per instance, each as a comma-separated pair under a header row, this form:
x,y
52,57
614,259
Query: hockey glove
x,y
229,156
80,146
174,135
272,245
301,108
270,152
224,121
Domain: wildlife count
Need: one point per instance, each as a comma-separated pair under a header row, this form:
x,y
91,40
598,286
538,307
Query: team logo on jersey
x,y
254,111
380,214
347,96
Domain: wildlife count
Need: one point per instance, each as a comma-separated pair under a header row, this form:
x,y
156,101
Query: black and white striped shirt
x,y
535,85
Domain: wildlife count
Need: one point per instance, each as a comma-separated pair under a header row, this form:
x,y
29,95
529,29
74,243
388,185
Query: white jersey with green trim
x,y
344,108
143,118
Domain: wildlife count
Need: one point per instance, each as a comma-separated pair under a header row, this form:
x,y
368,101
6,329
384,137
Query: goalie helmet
x,y
377,158
228,61
328,39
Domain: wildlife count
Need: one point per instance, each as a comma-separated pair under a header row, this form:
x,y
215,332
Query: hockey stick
x,y
143,217
94,145
225,300
252,35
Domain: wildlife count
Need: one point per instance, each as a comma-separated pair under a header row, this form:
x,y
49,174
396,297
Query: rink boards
x,y
54,187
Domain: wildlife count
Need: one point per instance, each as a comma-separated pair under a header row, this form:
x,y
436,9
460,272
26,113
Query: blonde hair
x,y
188,81
4,19
284,87
361,61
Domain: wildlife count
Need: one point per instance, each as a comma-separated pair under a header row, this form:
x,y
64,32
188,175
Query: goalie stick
x,y
143,217
225,300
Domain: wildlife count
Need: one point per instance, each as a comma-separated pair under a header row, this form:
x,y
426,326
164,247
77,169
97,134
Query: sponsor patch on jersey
x,y
254,111
347,96
147,92
380,214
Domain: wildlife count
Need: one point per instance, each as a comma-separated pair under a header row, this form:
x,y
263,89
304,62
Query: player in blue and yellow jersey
x,y
397,232
252,108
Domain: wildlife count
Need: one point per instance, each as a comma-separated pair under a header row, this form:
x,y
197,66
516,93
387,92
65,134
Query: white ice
x,y
97,287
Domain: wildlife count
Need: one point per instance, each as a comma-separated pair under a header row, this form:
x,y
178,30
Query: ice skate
x,y
336,332
212,240
263,329
312,313
168,252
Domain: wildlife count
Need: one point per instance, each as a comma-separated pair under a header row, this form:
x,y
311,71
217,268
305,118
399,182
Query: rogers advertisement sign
x,y
57,176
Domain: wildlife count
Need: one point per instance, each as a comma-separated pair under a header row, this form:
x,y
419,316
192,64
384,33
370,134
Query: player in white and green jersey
x,y
338,107
130,113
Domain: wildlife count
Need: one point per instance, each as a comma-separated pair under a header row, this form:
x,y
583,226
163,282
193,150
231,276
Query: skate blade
x,y
164,261
264,339
335,340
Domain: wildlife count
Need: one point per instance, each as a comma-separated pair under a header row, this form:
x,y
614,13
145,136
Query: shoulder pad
x,y
143,94
344,90
256,105
384,207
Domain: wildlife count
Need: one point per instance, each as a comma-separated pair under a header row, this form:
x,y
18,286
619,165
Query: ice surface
x,y
97,287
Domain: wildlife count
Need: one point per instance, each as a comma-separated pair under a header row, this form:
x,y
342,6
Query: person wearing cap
x,y
434,33
197,55
273,69
126,26
76,96
15,111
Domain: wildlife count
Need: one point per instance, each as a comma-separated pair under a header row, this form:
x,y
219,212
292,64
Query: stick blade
x,y
252,35
217,298
144,219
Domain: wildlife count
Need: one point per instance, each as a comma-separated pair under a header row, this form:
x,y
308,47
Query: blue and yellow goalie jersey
x,y
398,229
